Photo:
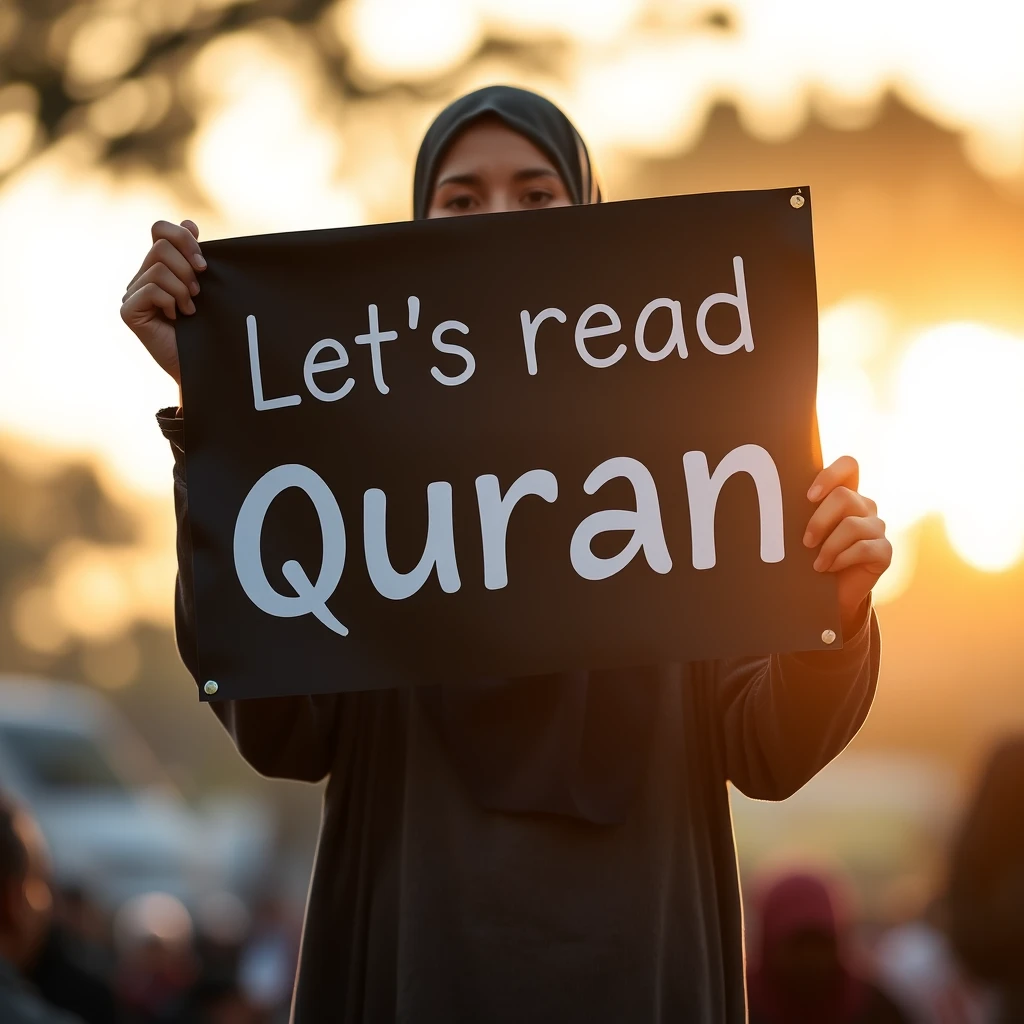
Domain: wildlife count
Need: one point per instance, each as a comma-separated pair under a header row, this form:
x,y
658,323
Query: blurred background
x,y
905,118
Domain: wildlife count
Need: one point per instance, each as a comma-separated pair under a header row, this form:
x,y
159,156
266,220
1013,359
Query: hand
x,y
852,537
166,282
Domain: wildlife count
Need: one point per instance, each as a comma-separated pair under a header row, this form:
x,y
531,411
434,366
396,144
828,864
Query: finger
x,y
874,556
834,508
169,282
164,252
182,239
844,471
162,275
845,535
149,297
193,227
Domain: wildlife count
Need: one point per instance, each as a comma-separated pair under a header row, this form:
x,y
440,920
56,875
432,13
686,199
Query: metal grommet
x,y
828,636
211,687
796,202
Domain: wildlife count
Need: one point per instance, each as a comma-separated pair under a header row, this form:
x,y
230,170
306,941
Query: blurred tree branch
x,y
35,39
28,56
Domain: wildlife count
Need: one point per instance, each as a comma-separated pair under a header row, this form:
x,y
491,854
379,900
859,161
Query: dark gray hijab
x,y
532,116
572,744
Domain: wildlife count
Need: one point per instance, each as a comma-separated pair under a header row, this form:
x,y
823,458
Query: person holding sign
x,y
553,848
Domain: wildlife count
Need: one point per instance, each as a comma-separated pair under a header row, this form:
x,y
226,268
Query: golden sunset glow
x,y
959,390
929,402
936,421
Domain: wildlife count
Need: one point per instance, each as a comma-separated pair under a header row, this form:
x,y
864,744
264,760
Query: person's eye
x,y
461,203
537,197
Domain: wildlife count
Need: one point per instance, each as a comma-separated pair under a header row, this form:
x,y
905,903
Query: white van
x,y
114,823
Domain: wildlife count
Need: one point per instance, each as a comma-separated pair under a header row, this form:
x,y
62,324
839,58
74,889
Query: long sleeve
x,y
784,717
281,737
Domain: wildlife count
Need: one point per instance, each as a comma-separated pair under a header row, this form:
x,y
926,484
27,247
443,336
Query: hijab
x,y
792,904
573,744
534,117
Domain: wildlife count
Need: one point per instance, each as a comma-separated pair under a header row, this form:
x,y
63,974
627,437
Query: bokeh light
x,y
407,39
937,429
267,142
961,419
102,47
263,152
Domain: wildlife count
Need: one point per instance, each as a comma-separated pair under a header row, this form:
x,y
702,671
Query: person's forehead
x,y
491,140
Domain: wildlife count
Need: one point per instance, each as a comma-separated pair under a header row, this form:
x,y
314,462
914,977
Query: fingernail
x,y
814,492
190,308
818,566
198,262
194,288
808,539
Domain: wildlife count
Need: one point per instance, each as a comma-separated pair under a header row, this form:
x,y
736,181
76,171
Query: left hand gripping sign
x,y
310,599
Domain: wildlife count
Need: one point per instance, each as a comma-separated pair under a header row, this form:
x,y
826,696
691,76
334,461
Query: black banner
x,y
505,445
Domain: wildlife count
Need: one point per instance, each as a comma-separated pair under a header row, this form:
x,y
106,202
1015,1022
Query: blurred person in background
x,y
157,967
87,925
985,892
267,966
26,906
917,965
217,998
804,971
554,848
222,929
74,968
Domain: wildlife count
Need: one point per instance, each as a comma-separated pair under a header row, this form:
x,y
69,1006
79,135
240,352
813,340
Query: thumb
x,y
193,227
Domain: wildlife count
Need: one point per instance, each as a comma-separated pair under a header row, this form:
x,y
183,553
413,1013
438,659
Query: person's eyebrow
x,y
534,172
459,179
473,180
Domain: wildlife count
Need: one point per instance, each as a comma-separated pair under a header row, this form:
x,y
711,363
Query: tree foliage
x,y
39,41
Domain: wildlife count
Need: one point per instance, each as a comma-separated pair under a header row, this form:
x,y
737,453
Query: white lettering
x,y
703,490
495,511
310,598
311,367
454,350
583,332
374,338
644,524
259,401
745,339
438,551
676,339
530,333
